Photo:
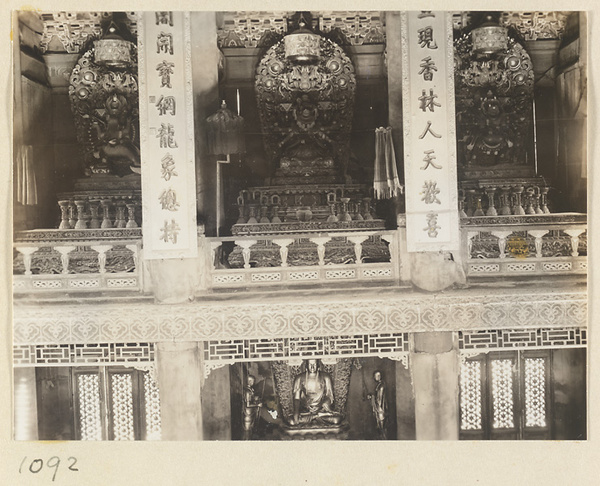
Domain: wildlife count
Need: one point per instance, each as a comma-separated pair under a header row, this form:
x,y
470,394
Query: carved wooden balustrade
x,y
311,258
549,244
77,260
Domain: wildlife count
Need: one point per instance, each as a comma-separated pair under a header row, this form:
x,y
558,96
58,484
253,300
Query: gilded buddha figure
x,y
313,398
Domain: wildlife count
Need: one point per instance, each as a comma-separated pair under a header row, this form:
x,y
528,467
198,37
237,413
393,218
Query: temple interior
x,y
300,225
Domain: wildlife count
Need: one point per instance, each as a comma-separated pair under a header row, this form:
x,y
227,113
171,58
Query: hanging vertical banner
x,y
167,135
432,222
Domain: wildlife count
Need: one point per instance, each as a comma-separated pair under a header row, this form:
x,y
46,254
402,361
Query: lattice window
x,y
90,421
117,403
535,394
470,395
152,408
506,395
502,394
122,406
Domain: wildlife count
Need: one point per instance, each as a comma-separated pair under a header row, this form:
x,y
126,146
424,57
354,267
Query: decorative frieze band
x,y
124,354
500,339
300,348
393,313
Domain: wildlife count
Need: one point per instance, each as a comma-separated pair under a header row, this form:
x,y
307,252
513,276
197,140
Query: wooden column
x,y
25,403
205,74
180,375
405,403
216,404
394,76
435,367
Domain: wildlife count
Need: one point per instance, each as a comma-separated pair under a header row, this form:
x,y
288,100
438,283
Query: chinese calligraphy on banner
x,y
167,136
432,221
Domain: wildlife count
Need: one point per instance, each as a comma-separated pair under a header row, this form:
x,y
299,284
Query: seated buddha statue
x,y
313,398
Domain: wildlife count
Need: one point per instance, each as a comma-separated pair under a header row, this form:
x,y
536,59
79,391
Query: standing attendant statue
x,y
379,405
251,407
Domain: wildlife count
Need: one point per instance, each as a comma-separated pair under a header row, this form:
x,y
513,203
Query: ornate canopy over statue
x,y
494,96
104,100
306,110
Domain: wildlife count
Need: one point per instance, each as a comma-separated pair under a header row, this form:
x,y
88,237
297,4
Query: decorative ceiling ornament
x,y
531,25
69,31
302,45
112,50
489,38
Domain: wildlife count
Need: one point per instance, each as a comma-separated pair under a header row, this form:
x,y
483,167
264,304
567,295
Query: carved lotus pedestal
x,y
331,432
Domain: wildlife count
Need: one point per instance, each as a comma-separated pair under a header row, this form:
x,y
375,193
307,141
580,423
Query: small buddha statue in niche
x,y
313,398
116,150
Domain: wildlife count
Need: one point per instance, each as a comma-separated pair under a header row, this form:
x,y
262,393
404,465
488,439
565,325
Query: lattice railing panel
x,y
122,406
502,394
535,394
470,395
90,422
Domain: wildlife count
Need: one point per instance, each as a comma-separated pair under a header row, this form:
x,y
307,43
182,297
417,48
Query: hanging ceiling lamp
x,y
489,38
112,50
302,45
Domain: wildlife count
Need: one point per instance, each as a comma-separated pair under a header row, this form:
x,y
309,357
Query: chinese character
x,y
164,104
168,200
166,133
428,129
428,101
432,226
430,192
427,67
428,159
165,69
164,42
164,18
168,167
425,13
170,231
426,38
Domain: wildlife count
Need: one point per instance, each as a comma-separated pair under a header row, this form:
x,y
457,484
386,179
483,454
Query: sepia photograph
x,y
299,225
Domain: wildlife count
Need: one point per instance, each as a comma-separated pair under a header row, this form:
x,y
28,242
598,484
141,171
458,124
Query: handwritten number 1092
x,y
36,465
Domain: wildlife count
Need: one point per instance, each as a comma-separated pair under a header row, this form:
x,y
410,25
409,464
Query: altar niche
x,y
343,403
